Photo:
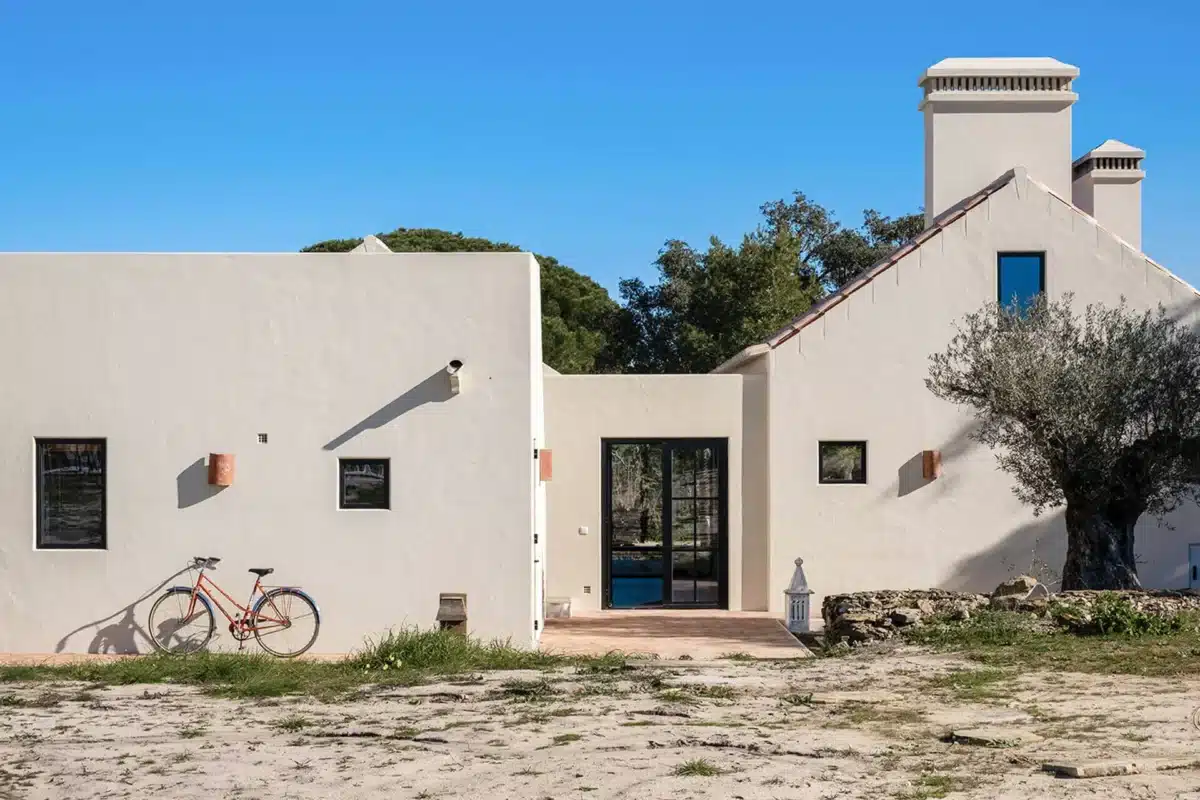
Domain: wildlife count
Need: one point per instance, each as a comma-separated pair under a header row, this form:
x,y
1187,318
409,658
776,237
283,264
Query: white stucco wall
x,y
581,411
171,357
756,485
857,373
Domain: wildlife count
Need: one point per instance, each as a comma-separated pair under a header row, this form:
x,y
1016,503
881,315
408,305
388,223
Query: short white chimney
x,y
1108,185
984,116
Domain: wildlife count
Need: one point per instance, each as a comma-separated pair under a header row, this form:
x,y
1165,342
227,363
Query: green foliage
x,y
698,768
443,652
708,305
578,317
1114,615
1099,412
402,657
1009,639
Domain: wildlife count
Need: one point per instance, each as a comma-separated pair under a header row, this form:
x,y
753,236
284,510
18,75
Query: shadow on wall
x,y
1040,542
910,477
434,389
121,632
192,486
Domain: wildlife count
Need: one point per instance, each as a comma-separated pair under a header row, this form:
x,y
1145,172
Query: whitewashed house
x,y
378,480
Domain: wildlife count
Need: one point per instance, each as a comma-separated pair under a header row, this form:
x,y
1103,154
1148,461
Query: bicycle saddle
x,y
262,571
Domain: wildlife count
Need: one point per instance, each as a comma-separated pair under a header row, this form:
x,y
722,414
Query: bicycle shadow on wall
x,y
123,634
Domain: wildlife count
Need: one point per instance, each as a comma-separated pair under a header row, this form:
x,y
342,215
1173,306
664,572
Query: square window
x,y
843,462
1021,277
71,494
364,483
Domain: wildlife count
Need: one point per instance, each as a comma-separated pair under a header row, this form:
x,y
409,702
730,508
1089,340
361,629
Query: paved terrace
x,y
669,634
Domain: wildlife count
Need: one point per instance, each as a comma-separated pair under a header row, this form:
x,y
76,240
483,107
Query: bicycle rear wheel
x,y
286,622
173,629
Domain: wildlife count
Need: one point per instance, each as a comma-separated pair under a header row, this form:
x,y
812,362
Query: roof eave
x,y
744,357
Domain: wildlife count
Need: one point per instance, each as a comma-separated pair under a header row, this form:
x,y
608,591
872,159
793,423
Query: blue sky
x,y
588,132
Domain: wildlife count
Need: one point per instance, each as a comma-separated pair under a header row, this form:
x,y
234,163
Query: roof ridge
x,y
940,223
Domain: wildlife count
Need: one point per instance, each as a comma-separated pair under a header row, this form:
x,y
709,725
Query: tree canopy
x,y
1098,412
708,305
578,316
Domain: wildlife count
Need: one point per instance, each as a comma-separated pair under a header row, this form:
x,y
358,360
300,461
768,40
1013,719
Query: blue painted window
x,y
1022,277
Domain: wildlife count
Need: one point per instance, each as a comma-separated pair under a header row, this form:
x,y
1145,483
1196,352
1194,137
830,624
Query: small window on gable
x,y
1021,277
842,462
364,483
70,494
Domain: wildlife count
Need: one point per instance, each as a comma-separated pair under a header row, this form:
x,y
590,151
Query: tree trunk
x,y
1100,547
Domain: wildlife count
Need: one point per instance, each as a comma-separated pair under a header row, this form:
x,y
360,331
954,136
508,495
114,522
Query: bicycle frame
x,y
247,620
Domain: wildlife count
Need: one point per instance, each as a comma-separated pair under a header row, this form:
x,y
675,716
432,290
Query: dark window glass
x,y
365,483
1022,277
843,462
70,493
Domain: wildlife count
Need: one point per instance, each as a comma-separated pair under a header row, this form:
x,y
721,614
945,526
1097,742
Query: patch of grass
x,y
443,652
697,768
1005,639
738,657
1135,737
192,732
527,771
797,699
566,738
861,713
541,689
971,685
677,696
293,724
931,786
1114,615
638,723
400,658
717,691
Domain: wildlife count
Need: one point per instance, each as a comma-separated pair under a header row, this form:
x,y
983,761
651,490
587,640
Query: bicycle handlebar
x,y
205,562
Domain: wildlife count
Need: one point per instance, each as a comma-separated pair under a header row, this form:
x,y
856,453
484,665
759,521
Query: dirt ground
x,y
861,726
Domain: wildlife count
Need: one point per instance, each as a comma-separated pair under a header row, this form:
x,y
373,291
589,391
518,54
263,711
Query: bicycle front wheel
x,y
177,625
286,622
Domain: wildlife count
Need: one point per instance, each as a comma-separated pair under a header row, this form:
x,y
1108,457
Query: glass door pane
x,y
695,538
636,544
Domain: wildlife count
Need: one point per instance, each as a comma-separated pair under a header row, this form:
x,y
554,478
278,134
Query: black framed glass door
x,y
664,523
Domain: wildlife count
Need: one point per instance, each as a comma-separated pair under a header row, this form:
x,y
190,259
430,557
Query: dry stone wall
x,y
864,617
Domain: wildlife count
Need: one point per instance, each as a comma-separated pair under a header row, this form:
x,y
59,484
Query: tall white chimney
x,y
984,116
1108,185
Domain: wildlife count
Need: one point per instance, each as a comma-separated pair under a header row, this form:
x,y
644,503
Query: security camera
x,y
453,376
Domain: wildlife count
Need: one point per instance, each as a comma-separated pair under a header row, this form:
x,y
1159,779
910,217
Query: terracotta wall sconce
x,y
931,464
220,469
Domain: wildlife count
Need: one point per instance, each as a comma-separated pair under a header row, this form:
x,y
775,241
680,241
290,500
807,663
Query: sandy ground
x,y
871,728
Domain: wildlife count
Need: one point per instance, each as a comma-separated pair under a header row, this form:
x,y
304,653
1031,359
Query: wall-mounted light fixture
x,y
220,469
454,375
931,464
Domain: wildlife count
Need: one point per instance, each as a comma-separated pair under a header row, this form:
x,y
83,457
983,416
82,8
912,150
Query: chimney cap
x,y
1000,67
1111,149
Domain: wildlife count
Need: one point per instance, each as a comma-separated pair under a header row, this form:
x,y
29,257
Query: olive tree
x,y
1098,412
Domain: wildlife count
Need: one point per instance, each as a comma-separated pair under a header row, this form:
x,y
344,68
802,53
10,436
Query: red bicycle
x,y
284,620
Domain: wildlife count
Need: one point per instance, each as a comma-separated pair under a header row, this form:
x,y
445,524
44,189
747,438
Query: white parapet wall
x,y
171,357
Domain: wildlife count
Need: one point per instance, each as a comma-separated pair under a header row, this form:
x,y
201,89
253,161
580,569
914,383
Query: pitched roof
x,y
940,223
